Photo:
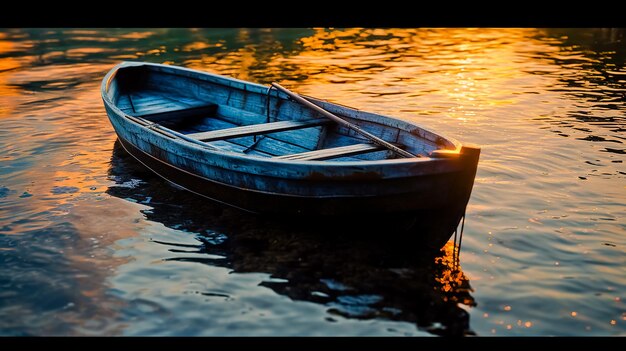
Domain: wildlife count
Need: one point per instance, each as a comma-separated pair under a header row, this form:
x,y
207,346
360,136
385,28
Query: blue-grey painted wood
x,y
256,129
325,154
353,127
259,175
165,114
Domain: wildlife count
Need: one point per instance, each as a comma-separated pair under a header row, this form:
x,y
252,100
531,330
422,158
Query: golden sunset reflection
x,y
8,63
77,143
463,67
545,105
452,280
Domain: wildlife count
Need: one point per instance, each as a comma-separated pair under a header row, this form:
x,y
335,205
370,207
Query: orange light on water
x,y
460,68
451,278
8,91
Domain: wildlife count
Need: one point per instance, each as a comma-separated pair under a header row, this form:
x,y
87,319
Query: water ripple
x,y
91,243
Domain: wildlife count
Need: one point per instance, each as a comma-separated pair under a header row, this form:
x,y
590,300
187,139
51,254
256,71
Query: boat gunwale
x,y
240,188
224,80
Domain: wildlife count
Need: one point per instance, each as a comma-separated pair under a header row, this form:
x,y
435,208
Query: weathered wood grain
x,y
336,152
256,129
166,114
320,169
353,127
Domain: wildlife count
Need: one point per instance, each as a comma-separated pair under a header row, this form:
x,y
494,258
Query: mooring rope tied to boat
x,y
456,249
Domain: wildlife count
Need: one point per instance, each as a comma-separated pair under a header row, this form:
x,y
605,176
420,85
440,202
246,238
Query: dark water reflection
x,y
352,275
91,244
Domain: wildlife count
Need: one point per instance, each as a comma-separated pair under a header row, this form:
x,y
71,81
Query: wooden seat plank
x,y
335,152
256,129
205,111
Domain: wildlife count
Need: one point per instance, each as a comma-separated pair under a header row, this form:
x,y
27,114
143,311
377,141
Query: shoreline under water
x,y
92,243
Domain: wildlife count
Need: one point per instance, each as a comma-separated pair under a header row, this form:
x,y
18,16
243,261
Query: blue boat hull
x,y
414,191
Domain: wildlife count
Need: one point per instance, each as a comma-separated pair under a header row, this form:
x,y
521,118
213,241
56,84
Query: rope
x,y
456,250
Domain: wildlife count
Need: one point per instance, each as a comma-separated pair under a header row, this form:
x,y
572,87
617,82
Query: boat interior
x,y
243,121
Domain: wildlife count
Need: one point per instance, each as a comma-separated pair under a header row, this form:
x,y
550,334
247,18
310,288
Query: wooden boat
x,y
255,148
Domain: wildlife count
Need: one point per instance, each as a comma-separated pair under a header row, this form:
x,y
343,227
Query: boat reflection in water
x,y
377,275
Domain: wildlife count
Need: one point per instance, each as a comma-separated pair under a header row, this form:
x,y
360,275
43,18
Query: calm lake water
x,y
93,244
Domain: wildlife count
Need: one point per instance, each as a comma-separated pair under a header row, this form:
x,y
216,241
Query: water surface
x,y
93,244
